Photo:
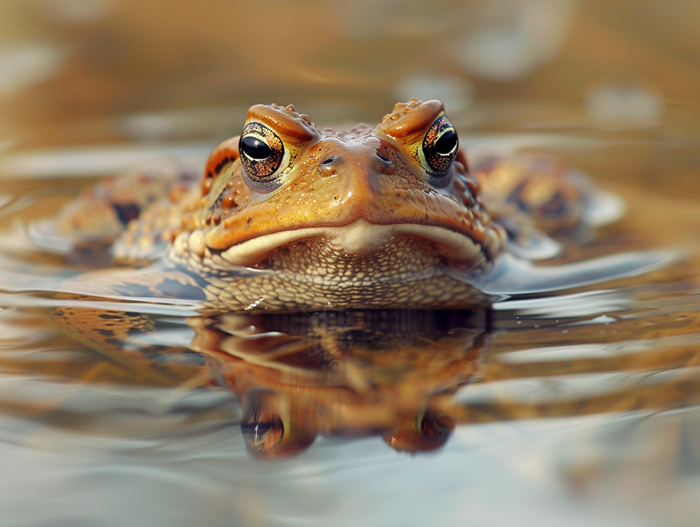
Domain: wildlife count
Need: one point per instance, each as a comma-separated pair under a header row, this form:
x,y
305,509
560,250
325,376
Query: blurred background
x,y
116,72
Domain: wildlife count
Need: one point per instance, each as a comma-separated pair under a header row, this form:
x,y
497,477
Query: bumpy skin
x,y
382,217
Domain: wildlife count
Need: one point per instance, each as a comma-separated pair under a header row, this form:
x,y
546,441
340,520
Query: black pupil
x,y
255,148
256,429
446,143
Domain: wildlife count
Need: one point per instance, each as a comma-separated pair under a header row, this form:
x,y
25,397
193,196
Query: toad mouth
x,y
360,238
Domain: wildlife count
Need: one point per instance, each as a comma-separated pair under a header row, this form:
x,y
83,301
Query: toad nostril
x,y
328,161
385,165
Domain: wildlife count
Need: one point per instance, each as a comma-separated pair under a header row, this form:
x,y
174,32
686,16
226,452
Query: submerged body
x,y
289,217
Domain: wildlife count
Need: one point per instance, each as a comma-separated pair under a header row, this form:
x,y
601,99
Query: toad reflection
x,y
352,374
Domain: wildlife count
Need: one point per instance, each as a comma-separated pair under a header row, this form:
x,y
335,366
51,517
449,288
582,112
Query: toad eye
x,y
262,152
256,149
439,150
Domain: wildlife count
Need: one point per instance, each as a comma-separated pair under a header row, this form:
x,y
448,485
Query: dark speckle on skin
x,y
107,316
126,211
221,164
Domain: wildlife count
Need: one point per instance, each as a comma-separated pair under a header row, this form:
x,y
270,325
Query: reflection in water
x,y
409,376
355,373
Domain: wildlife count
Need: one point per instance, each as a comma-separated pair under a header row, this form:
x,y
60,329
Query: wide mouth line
x,y
359,237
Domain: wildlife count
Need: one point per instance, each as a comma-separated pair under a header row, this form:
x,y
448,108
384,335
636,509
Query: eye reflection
x,y
261,432
255,148
447,143
303,375
262,152
439,149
